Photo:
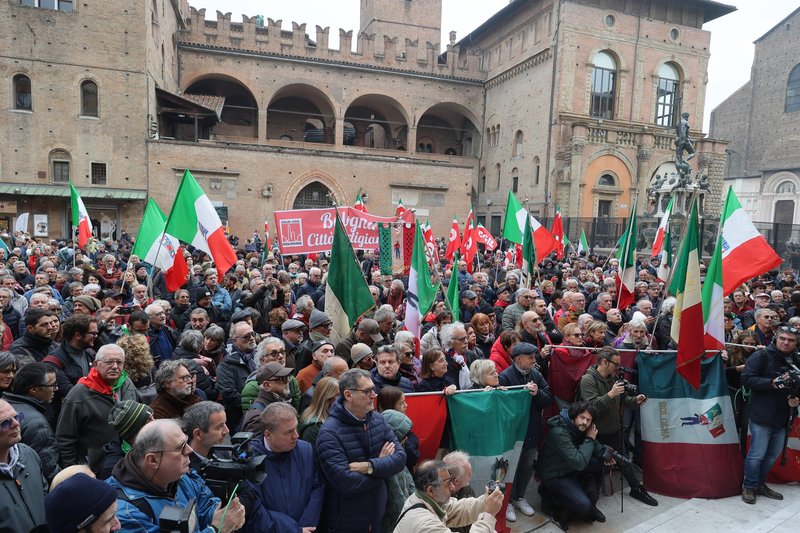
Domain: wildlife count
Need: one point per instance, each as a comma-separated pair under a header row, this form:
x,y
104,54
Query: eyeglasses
x,y
276,353
369,392
460,339
442,482
180,449
789,329
185,379
284,379
6,424
53,386
113,362
408,354
250,335
326,325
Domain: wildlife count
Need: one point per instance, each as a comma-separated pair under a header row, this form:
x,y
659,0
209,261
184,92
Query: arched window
x,y
59,165
604,75
312,196
23,98
482,181
497,176
606,180
536,170
89,99
786,187
516,150
793,91
667,95
515,180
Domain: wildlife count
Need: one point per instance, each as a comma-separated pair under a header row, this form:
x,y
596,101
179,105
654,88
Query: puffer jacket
x,y
566,450
252,388
32,345
380,382
500,356
290,498
356,501
37,431
22,487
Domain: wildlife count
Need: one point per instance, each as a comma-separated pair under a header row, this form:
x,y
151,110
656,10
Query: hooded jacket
x,y
22,490
594,389
37,431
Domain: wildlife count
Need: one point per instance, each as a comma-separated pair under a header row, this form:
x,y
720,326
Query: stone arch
x,y
306,179
452,127
294,109
239,116
377,110
620,195
772,183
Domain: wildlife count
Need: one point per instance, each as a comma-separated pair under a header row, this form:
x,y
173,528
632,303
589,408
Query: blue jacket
x,y
356,501
510,377
221,300
290,498
130,479
401,382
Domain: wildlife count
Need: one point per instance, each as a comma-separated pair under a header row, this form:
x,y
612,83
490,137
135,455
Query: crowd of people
x,y
114,390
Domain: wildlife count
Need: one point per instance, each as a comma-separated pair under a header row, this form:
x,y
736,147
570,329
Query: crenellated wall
x,y
387,51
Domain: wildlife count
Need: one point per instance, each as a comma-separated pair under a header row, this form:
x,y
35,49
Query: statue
x,y
703,184
683,145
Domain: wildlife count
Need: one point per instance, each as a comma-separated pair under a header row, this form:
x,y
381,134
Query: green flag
x,y
347,295
583,246
421,292
528,252
452,291
515,220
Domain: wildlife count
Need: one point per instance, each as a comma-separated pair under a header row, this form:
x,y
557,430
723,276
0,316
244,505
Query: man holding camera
x,y
155,475
570,466
771,375
606,392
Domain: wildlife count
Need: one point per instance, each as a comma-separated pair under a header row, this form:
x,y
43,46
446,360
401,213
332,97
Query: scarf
x,y
523,371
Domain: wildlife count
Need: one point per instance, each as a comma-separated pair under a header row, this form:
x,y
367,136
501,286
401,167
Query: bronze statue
x,y
683,145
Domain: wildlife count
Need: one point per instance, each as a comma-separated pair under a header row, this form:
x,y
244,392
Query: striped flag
x,y
665,257
401,209
626,275
359,205
80,217
528,253
583,246
452,291
687,318
160,249
689,442
713,310
663,227
421,292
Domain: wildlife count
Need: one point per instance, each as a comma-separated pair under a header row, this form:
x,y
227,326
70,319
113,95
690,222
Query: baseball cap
x,y
370,327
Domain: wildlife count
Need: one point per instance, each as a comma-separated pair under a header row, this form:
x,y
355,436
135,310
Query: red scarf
x,y
95,382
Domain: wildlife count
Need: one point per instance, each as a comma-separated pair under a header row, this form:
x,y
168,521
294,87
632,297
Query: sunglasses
x,y
6,424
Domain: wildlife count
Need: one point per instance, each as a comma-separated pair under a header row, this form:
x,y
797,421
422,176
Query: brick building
x,y
567,102
761,120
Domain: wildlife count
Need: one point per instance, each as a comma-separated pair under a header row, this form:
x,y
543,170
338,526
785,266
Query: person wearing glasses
x,y
175,385
513,313
162,338
21,481
760,301
766,320
83,426
273,380
357,452
31,394
155,474
771,404
235,368
433,509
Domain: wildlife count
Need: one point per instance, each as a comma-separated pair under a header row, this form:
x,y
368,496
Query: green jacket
x,y
566,450
594,389
251,388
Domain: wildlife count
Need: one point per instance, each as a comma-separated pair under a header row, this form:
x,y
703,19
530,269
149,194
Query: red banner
x,y
303,231
791,470
485,237
428,413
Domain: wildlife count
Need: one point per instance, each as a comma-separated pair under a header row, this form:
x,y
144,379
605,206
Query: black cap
x,y
524,348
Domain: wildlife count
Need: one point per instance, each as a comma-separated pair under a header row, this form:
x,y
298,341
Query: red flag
x,y
482,235
430,245
454,242
558,233
175,277
428,413
469,246
266,235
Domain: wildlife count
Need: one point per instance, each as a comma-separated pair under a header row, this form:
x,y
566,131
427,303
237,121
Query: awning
x,y
200,105
63,191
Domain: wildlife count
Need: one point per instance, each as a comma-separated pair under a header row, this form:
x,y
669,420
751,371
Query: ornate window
x,y
23,98
312,196
793,91
667,95
604,76
89,106
786,187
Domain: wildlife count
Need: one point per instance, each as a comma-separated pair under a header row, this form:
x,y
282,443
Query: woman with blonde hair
x,y
325,393
139,363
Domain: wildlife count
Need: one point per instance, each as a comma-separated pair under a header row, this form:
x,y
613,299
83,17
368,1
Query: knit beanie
x,y
77,503
128,417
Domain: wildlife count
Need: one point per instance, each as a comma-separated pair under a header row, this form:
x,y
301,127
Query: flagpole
x,y
74,246
622,266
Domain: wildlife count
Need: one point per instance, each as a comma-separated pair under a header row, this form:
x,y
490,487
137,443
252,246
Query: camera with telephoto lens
x,y
630,388
230,464
610,453
789,380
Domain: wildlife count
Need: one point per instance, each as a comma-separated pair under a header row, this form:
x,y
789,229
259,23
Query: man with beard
x,y
175,390
539,305
41,327
273,379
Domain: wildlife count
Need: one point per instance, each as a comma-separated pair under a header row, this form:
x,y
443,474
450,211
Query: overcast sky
x,y
732,36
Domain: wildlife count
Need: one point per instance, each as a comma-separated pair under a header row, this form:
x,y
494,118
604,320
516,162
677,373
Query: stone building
x,y
569,102
761,120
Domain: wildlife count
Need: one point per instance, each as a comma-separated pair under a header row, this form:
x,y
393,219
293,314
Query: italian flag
x,y
421,292
583,245
401,209
528,254
713,310
193,219
453,242
347,294
160,249
665,257
745,252
663,227
626,275
514,226
80,217
359,205
690,447
687,319
558,234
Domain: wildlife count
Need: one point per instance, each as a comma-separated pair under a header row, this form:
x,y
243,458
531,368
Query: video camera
x,y
610,453
789,379
229,464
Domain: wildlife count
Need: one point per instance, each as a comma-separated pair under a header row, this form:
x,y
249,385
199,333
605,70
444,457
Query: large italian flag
x,y
658,242
80,217
514,227
626,274
193,219
689,442
687,317
347,294
160,249
745,252
421,292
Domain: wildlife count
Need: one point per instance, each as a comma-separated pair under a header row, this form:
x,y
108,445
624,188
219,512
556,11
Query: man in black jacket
x,y
73,358
771,403
41,327
523,372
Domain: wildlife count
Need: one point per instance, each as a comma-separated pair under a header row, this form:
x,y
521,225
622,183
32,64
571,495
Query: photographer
x,y
606,392
570,466
773,400
155,474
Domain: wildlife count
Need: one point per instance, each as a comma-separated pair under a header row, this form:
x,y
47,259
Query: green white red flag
x,y
421,292
663,227
80,217
528,253
713,309
665,257
745,252
687,319
359,205
193,219
514,227
160,249
401,209
626,274
583,245
347,294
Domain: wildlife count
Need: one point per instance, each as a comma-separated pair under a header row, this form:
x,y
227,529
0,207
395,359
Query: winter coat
x,y
512,376
136,487
221,301
68,371
290,497
37,431
309,431
434,384
500,356
768,405
594,389
165,405
263,302
566,449
252,387
23,488
380,382
232,375
356,501
433,518
252,417
32,345
430,341
314,291
12,319
512,316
